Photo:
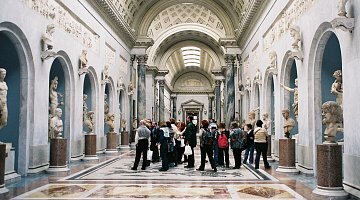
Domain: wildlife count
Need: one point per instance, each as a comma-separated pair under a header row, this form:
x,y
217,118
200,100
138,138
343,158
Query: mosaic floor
x,y
113,179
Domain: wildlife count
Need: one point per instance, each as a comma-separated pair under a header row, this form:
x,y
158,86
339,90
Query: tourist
x,y
223,144
207,139
260,140
190,139
163,139
236,138
142,140
249,144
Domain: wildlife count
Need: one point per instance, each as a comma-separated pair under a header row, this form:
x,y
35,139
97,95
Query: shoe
x,y
268,167
143,168
215,170
162,169
133,168
244,162
256,167
236,167
199,169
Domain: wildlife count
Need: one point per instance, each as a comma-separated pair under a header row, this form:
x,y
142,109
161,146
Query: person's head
x,y
182,126
189,118
331,112
259,123
111,117
142,122
172,120
84,52
286,113
337,74
234,125
2,73
91,114
265,116
221,125
54,83
205,123
58,112
248,126
251,115
162,124
168,124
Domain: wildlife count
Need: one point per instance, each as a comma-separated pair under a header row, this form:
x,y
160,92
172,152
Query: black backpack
x,y
208,137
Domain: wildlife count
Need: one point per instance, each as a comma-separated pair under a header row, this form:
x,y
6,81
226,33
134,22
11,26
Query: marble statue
x,y
110,122
105,73
106,106
53,96
248,82
295,102
341,8
252,119
273,60
257,75
85,108
120,83
3,99
266,122
89,121
332,118
123,124
289,123
83,63
337,88
47,42
295,34
56,125
130,88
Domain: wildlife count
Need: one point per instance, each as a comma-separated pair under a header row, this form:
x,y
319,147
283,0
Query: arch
x,y
269,99
190,69
27,85
256,95
112,95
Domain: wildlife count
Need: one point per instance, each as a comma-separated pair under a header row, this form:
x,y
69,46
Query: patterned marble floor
x,y
112,178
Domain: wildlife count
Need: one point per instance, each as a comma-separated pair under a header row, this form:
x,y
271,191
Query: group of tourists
x,y
173,142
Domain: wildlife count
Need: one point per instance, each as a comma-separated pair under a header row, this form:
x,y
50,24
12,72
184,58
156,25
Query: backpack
x,y
208,138
223,141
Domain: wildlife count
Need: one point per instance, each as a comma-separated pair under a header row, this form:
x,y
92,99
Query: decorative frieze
x,y
67,21
109,55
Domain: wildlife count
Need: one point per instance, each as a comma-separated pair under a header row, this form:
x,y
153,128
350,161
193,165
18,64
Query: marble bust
x,y
83,59
47,42
267,122
332,118
123,124
3,99
295,102
105,73
341,8
257,75
295,34
337,88
56,125
289,123
273,63
89,121
110,122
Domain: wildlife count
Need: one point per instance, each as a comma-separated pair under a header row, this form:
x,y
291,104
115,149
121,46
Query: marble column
x,y
131,114
174,115
210,110
217,100
141,90
161,100
3,189
230,88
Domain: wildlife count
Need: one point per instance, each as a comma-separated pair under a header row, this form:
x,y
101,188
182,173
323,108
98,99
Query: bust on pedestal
x,y
287,146
111,143
90,138
329,155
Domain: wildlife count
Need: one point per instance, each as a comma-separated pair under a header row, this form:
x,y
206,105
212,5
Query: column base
x,y
124,147
3,189
333,192
111,151
287,169
90,158
54,169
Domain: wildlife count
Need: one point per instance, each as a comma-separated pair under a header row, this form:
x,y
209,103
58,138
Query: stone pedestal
x,y
58,152
111,143
125,138
3,189
287,156
90,147
329,172
10,173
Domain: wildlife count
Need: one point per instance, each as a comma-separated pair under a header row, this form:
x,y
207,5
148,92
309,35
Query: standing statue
x,y
83,60
56,125
337,88
53,97
130,88
257,75
47,42
105,73
106,106
110,122
273,62
332,118
267,122
289,123
295,102
248,82
252,119
3,99
85,108
89,121
295,34
341,8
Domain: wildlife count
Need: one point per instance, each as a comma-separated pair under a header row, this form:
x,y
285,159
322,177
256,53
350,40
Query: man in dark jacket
x,y
190,139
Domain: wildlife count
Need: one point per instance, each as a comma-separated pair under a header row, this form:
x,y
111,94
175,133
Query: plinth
x,y
329,171
287,156
58,152
90,147
111,143
3,189
125,138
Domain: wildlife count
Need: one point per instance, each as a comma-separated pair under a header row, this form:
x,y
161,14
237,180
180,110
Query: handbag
x,y
149,155
188,150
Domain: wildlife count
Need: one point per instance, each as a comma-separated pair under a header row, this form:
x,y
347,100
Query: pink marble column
x,y
125,138
329,171
58,153
90,147
287,156
111,143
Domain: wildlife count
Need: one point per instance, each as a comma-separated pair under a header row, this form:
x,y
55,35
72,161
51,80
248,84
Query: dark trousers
x,y
164,156
261,148
237,157
249,150
207,149
191,158
221,156
155,156
142,147
180,153
177,151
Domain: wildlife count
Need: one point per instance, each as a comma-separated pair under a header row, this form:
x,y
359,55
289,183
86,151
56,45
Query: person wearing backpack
x,y
249,144
223,145
236,143
206,145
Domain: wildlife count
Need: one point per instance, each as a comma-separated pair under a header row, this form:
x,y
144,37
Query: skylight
x,y
191,56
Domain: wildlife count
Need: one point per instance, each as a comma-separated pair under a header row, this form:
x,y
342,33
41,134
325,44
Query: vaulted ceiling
x,y
186,33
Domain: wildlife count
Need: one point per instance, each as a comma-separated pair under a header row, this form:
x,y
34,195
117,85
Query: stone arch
x,y
112,96
27,85
256,96
268,94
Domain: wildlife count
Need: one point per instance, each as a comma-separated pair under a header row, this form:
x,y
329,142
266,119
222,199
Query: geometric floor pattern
x,y
114,179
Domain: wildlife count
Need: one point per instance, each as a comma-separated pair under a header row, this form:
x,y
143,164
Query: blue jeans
x,y
251,150
216,153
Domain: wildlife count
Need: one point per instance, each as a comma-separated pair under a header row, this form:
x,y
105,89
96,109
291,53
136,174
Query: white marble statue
x,y
289,123
53,97
89,121
248,82
110,122
106,105
273,62
123,124
295,34
252,119
47,42
85,108
105,73
337,88
332,118
257,75
83,60
120,83
341,8
130,88
266,122
295,102
3,99
56,125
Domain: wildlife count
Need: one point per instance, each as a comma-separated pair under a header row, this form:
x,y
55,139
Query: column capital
x,y
230,59
142,59
161,82
152,70
218,82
